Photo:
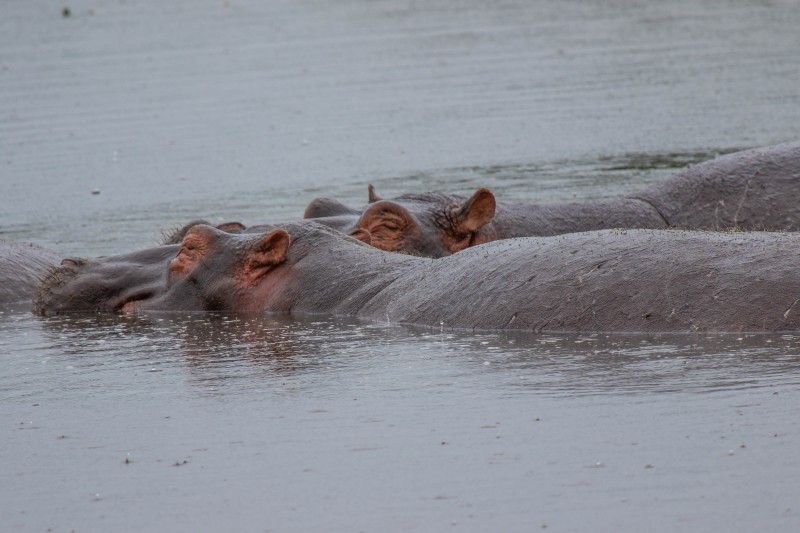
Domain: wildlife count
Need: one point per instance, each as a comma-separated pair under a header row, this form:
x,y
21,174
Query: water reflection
x,y
235,353
573,365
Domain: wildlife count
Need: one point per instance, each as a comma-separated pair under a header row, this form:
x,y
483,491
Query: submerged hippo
x,y
753,189
22,268
611,280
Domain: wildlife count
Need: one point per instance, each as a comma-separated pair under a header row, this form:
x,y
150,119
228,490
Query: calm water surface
x,y
245,110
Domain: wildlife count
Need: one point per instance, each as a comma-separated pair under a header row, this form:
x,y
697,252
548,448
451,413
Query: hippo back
x,y
754,189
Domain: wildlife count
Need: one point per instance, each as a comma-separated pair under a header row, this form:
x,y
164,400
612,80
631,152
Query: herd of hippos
x,y
711,248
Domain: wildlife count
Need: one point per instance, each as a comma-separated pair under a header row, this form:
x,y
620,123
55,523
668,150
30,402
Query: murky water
x,y
246,110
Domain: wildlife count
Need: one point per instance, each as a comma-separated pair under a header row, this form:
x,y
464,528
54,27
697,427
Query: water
x,y
246,110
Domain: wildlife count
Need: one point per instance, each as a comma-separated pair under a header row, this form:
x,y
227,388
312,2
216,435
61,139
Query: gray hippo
x,y
22,268
609,280
754,189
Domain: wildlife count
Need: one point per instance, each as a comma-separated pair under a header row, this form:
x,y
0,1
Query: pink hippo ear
x,y
468,219
373,196
476,212
270,250
389,225
194,247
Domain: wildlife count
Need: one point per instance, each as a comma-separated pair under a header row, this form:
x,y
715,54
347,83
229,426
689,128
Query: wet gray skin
x,y
104,284
612,280
752,189
22,268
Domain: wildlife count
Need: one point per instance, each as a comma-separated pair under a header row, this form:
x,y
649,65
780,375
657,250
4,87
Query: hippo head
x,y
430,224
210,270
104,284
218,271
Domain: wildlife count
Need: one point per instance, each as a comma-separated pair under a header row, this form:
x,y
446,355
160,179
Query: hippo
x,y
22,268
753,189
606,280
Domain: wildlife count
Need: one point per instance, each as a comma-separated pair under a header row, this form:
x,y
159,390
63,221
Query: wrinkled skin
x,y
22,268
753,189
612,280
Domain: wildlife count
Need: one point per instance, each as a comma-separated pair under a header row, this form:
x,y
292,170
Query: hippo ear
x,y
475,213
389,225
327,207
194,247
231,227
269,250
373,196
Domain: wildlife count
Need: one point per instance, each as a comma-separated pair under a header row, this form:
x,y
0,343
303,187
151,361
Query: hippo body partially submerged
x,y
755,189
635,280
22,268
